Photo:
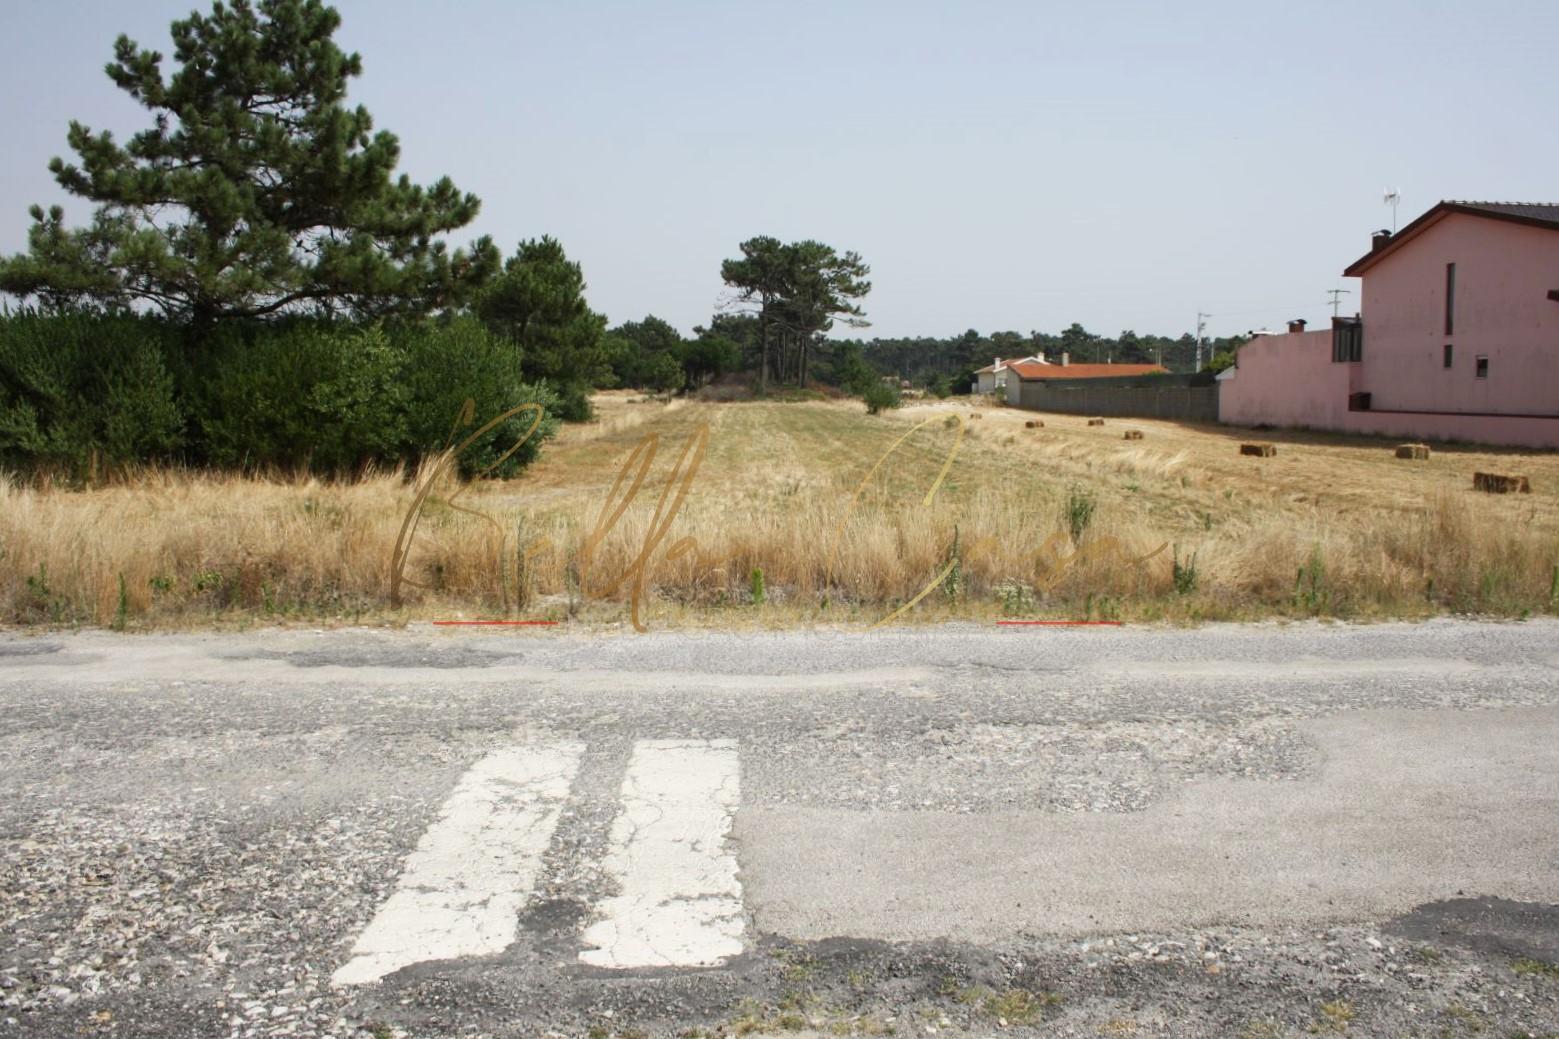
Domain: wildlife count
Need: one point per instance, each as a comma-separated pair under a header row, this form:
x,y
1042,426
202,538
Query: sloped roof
x,y
1083,371
1005,362
1533,214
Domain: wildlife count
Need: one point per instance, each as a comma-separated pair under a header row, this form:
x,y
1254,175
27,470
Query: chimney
x,y
995,362
1297,325
1379,240
1066,359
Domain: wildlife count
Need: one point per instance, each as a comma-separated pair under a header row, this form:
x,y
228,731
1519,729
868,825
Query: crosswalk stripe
x,y
463,887
680,902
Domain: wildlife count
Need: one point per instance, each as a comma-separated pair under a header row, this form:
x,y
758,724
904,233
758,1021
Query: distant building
x,y
1023,372
1457,337
993,377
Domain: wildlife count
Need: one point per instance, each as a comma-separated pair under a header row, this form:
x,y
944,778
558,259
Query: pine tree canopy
x,y
255,192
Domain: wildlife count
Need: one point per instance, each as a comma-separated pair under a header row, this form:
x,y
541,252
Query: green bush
x,y
77,390
449,362
573,401
80,392
301,395
880,395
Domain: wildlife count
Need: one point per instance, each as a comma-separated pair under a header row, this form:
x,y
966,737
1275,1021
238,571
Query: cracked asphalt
x,y
1251,831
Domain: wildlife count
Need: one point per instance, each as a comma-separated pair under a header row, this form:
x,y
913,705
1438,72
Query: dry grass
x,y
1331,526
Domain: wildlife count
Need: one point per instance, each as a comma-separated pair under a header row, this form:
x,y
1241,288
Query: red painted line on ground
x,y
495,622
1066,624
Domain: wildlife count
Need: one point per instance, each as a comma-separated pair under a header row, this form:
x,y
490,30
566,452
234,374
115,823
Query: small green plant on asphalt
x,y
1537,968
1334,1017
1018,1006
1266,1028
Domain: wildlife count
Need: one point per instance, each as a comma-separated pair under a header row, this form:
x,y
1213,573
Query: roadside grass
x,y
778,528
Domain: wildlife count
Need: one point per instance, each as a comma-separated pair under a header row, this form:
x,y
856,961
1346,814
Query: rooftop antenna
x,y
1337,295
1391,197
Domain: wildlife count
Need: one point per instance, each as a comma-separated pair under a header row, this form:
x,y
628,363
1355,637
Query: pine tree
x,y
256,191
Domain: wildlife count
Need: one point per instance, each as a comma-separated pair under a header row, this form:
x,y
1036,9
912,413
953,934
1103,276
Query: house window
x,y
1483,367
1450,297
1447,355
1347,340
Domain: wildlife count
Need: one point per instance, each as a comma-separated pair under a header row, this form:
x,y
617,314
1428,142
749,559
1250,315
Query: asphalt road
x,y
1248,831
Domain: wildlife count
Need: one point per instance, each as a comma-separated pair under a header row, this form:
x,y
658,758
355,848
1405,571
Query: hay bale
x,y
1259,450
1034,423
1494,483
1133,434
1096,422
1412,450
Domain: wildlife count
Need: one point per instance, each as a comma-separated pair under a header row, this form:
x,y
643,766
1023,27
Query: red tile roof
x,y
1083,371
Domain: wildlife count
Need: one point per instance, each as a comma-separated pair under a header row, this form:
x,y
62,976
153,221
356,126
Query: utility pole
x,y
1201,323
1337,295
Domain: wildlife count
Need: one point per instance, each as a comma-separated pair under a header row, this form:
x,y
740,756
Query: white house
x,y
993,377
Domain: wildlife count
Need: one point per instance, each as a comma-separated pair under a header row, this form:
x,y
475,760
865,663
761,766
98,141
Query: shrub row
x,y
80,394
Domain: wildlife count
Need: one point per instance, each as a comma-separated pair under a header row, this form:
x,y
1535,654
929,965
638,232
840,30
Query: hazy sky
x,y
999,165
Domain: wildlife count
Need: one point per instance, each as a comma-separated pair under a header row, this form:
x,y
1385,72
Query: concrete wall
x,y
1288,380
1183,397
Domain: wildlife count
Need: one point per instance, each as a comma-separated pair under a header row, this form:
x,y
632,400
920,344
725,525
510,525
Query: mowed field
x,y
1068,521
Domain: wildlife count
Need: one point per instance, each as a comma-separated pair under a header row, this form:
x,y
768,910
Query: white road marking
x,y
680,903
462,889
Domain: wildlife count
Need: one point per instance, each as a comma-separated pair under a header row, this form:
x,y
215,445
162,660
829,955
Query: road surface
x,y
1231,831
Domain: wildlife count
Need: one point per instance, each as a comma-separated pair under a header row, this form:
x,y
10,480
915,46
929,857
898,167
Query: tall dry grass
x,y
1180,530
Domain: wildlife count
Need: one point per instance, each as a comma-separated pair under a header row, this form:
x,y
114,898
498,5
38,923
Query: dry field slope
x,y
1070,520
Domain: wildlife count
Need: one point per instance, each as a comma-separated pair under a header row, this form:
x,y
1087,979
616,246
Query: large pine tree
x,y
256,191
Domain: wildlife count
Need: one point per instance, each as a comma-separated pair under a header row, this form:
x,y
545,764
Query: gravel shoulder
x,y
1241,830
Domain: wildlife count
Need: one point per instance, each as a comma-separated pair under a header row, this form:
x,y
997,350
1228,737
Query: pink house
x,y
1458,337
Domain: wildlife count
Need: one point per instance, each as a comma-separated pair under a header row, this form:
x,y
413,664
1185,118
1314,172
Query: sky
x,y
999,165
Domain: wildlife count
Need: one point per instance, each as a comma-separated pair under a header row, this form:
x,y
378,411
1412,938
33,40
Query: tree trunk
x,y
763,340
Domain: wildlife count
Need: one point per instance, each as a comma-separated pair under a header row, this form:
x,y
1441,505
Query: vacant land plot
x,y
786,520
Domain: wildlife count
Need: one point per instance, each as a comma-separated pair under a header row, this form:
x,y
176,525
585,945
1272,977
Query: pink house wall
x,y
1271,370
1504,272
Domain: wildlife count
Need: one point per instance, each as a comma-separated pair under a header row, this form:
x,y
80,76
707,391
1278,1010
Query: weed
x,y
1266,1028
1470,1019
1078,511
953,583
1334,1017
757,586
1016,598
1310,594
1538,968
1018,1006
1184,573
122,611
